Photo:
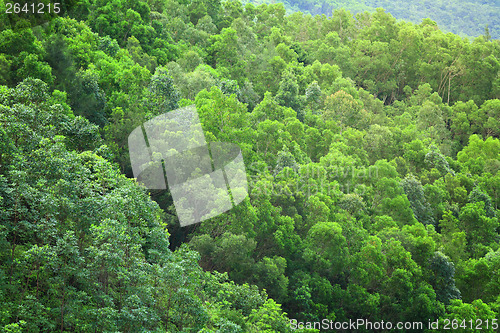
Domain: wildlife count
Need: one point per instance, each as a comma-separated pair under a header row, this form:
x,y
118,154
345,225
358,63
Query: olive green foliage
x,y
463,17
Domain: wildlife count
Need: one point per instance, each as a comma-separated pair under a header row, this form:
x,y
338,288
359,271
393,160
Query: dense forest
x,y
463,17
371,147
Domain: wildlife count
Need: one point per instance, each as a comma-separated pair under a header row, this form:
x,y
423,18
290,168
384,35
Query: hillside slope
x,y
371,149
462,17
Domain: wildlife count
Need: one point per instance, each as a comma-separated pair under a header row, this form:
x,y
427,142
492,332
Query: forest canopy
x,y
463,17
372,154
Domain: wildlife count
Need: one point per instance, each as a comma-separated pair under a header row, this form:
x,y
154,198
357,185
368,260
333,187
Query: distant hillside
x,y
463,17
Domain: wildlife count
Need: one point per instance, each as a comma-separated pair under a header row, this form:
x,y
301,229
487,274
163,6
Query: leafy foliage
x,y
371,148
